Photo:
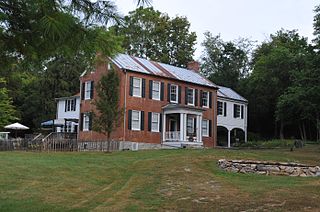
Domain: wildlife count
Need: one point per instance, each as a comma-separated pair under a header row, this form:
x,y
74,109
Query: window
x,y
109,66
155,122
174,93
190,96
237,111
190,126
220,108
135,120
156,90
70,105
86,122
137,87
205,99
88,89
205,128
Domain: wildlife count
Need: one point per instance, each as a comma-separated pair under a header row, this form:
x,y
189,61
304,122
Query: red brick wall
x,y
146,105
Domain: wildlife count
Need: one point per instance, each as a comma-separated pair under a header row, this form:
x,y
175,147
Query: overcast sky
x,y
254,19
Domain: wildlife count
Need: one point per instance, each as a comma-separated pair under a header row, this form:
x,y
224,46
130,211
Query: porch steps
x,y
182,145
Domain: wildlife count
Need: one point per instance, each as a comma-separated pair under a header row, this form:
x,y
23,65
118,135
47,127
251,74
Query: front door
x,y
173,125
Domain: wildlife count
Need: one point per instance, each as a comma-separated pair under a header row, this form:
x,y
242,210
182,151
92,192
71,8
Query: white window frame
x,y
205,126
136,87
207,98
133,127
109,66
155,122
192,125
222,114
193,96
155,91
238,117
177,93
87,90
70,105
86,122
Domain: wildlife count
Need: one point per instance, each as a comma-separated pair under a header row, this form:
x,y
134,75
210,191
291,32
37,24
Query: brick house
x,y
162,104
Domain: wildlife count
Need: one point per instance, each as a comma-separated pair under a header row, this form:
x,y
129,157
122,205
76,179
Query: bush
x,y
269,144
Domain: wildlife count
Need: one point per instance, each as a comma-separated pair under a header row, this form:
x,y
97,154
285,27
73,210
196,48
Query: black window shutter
x,y
196,97
65,105
90,121
129,119
186,96
210,99
149,120
162,91
92,90
179,94
150,88
81,122
160,124
142,120
82,90
169,86
210,128
200,103
241,111
143,88
225,109
131,86
234,110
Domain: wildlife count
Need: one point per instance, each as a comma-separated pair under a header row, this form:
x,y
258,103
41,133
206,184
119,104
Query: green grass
x,y
187,180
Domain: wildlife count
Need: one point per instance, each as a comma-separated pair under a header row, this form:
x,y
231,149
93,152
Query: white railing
x,y
173,136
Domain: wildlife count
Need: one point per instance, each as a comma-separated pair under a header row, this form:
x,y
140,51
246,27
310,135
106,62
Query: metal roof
x,y
229,93
160,69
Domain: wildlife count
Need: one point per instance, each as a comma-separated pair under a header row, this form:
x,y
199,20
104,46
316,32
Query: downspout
x,y
125,106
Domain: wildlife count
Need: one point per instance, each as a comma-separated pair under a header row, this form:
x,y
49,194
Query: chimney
x,y
194,66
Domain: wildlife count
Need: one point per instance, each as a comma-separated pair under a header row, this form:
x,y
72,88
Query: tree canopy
x,y
153,35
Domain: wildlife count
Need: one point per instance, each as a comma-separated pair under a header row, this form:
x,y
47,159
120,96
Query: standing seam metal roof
x,y
160,69
229,93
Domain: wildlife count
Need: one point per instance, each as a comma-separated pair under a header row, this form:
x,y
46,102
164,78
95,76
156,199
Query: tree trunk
x,y
300,130
275,129
281,130
304,131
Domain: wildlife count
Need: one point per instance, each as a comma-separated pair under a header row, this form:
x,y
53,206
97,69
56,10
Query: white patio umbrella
x,y
16,126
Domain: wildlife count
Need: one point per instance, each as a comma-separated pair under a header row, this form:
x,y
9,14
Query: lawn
x,y
170,180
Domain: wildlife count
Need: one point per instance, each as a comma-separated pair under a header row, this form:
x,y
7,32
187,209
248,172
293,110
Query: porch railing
x,y
173,136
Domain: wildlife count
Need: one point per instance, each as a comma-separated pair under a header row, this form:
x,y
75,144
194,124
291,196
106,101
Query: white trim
x,y
86,122
139,120
158,122
153,83
140,87
193,96
87,90
208,94
177,93
207,125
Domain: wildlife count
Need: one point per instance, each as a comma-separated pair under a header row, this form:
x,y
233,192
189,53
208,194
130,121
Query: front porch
x,y
182,126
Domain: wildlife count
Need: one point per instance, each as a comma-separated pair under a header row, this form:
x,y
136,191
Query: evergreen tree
x,y
107,104
7,111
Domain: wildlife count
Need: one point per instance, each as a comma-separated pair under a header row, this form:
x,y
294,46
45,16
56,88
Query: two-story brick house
x,y
162,104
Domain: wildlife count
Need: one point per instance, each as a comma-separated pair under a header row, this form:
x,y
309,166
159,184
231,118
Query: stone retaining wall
x,y
269,168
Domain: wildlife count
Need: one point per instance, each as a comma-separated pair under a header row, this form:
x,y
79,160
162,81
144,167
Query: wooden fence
x,y
57,145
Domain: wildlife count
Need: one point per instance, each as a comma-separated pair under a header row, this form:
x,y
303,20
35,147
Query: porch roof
x,y
169,107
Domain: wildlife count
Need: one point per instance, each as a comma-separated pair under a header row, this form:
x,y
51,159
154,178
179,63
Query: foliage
x,y
7,110
151,34
107,103
225,63
269,144
274,65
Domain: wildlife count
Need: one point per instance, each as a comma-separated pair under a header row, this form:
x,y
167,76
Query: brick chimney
x,y
194,66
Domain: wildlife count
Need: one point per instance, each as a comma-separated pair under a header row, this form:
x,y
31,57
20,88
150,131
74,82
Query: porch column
x,y
198,128
164,121
182,126
229,138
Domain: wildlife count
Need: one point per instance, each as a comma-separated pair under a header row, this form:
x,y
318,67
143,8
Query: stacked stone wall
x,y
269,168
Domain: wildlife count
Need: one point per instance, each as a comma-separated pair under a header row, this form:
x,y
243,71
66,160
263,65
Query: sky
x,y
253,19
